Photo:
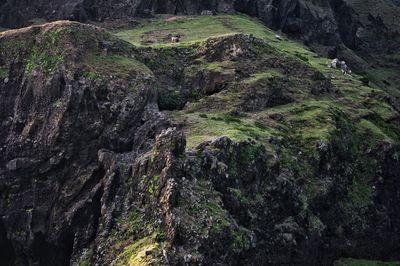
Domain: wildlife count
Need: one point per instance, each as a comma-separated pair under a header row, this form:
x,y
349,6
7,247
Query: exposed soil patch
x,y
176,18
161,36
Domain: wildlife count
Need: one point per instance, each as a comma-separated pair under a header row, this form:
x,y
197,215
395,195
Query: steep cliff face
x,y
330,22
364,25
60,108
18,13
233,150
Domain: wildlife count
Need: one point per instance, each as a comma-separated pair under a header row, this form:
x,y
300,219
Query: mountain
x,y
238,145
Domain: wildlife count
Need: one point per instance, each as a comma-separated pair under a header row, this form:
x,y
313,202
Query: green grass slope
x,y
310,115
295,130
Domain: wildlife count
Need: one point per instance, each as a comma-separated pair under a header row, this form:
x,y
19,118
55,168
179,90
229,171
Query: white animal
x,y
335,63
207,13
345,69
176,38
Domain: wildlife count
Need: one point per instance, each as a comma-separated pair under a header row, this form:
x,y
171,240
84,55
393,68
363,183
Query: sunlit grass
x,y
309,117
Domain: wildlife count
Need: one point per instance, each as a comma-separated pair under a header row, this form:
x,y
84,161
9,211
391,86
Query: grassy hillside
x,y
310,115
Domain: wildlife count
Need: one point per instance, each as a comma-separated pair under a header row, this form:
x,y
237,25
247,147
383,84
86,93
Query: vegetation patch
x,y
92,75
47,51
135,239
54,36
206,212
170,99
3,72
58,104
199,128
377,131
262,76
142,252
113,65
248,153
87,256
301,57
153,185
43,59
159,31
358,262
360,194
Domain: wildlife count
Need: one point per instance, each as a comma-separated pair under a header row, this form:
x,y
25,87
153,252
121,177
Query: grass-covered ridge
x,y
100,65
49,47
40,48
309,115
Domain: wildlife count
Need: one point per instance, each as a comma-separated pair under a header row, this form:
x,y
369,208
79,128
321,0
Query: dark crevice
x,y
7,256
344,15
45,253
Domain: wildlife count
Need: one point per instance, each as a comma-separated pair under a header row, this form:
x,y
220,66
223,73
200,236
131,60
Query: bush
x,y
170,99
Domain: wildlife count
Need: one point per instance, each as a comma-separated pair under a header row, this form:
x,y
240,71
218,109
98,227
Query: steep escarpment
x,y
67,92
18,14
330,22
363,33
236,149
357,24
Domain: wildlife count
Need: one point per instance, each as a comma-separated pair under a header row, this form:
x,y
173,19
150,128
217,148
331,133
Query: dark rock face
x,y
57,128
17,13
330,22
362,27
303,19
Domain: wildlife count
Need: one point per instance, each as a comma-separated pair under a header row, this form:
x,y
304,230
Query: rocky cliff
x,y
18,13
229,150
363,25
55,124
